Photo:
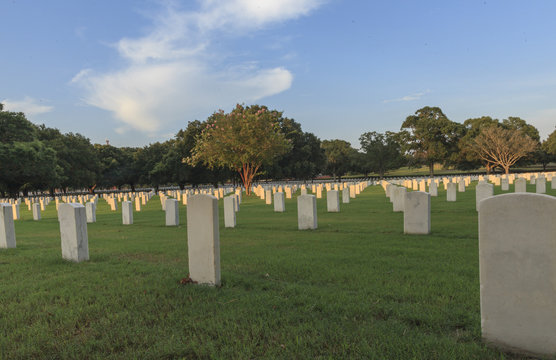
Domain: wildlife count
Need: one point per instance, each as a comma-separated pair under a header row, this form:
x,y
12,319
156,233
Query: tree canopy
x,y
242,140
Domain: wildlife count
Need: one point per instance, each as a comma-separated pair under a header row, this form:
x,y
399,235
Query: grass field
x,y
355,288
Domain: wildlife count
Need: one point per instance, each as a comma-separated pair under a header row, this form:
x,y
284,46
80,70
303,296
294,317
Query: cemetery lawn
x,y
355,288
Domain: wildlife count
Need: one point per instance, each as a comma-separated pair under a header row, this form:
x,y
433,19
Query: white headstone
x,y
483,190
517,262
279,202
127,213
91,212
229,212
541,185
505,184
345,195
398,198
203,239
36,211
73,231
333,201
268,197
520,185
417,213
7,228
451,192
433,188
306,212
172,210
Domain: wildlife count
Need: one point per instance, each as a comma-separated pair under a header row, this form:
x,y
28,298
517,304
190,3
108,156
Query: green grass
x,y
355,288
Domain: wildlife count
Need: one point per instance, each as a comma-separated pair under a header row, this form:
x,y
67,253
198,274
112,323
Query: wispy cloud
x,y
411,97
28,105
173,71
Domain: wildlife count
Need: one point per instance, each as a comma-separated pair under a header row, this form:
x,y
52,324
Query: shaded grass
x,y
357,287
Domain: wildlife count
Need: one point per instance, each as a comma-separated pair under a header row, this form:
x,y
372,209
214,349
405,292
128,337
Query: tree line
x,y
255,141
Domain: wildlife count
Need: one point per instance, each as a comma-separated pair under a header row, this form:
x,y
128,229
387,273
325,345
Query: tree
x,y
338,156
503,147
76,157
381,152
306,158
549,145
26,166
242,140
430,137
466,158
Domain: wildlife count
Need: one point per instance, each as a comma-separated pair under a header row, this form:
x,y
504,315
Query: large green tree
x,y
76,158
339,157
381,152
243,140
430,137
306,158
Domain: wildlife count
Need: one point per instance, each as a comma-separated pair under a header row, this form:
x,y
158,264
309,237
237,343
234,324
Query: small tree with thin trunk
x,y
503,147
242,140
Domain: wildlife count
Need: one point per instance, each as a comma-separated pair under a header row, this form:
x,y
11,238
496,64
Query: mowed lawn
x,y
355,288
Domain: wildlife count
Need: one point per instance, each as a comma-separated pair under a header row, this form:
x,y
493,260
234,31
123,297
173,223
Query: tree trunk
x,y
431,168
506,169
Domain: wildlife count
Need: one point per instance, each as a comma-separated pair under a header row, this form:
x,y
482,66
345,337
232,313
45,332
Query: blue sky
x,y
136,72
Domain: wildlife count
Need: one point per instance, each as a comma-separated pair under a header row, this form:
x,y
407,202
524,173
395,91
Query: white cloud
x,y
28,106
410,97
172,72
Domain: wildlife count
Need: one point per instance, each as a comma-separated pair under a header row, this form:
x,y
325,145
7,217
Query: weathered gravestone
x,y
505,184
73,231
451,192
517,262
268,197
306,212
417,213
91,212
541,185
7,228
520,185
483,190
36,211
433,188
127,213
345,195
172,212
203,239
229,212
398,198
279,202
333,201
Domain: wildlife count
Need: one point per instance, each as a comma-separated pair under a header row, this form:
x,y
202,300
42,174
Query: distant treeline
x,y
36,157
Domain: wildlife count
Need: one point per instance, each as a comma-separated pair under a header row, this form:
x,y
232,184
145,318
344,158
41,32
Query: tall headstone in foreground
x,y
517,263
172,212
483,190
417,213
91,212
7,228
451,192
127,213
520,185
73,231
36,211
279,202
229,211
333,201
306,212
203,239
